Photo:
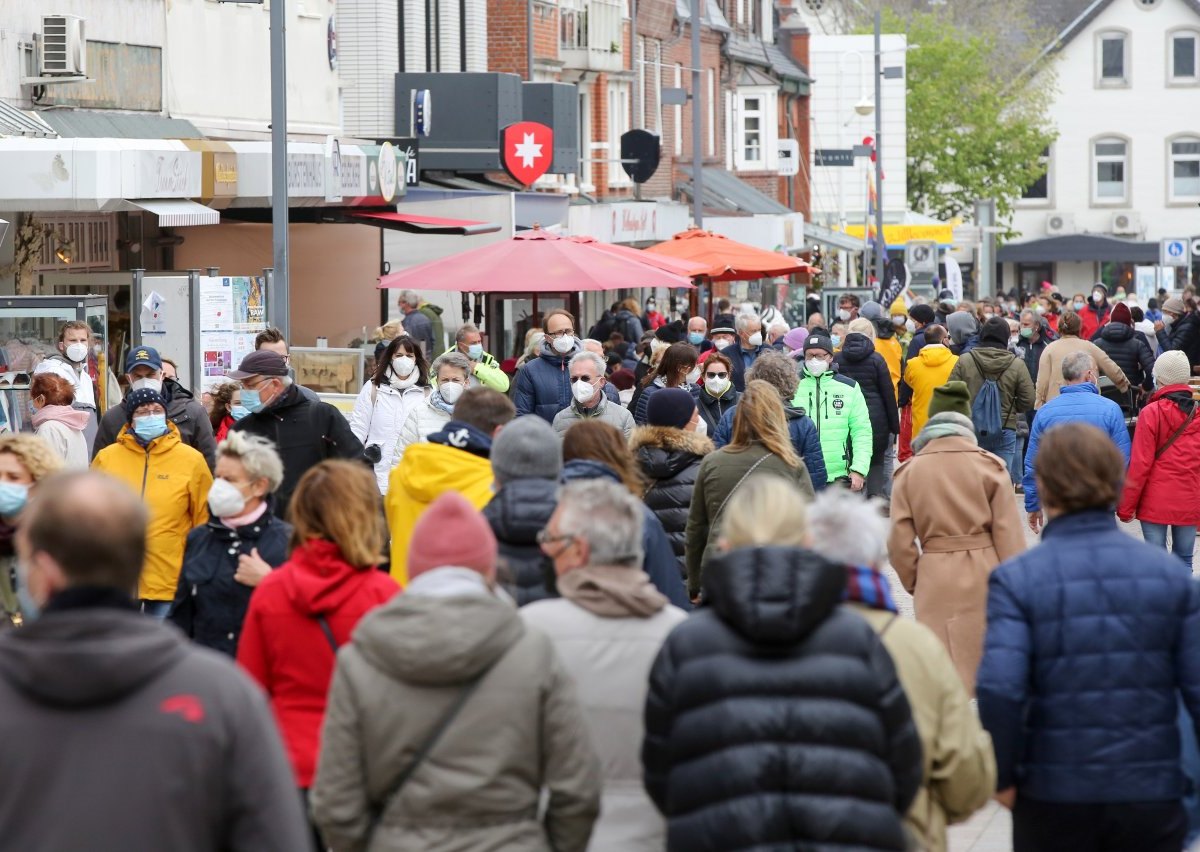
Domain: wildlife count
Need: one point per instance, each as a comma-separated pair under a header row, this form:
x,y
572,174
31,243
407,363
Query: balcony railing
x,y
591,34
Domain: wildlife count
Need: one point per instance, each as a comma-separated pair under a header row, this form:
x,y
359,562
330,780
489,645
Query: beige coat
x,y
1050,377
957,500
959,771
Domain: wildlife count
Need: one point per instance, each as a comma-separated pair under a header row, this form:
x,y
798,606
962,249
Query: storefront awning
x,y
414,224
178,212
1079,248
725,191
831,238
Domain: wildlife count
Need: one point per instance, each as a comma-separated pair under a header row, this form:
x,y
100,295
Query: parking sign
x,y
1175,252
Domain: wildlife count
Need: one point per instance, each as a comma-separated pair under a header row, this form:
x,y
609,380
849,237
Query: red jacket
x,y
1167,490
223,429
284,649
1093,321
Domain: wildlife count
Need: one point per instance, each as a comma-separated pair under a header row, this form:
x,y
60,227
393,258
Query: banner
x,y
954,279
895,276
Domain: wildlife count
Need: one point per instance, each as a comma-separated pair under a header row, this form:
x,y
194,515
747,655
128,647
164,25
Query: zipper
x,y
145,473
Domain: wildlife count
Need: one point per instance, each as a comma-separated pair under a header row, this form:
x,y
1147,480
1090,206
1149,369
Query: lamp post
x,y
697,167
880,260
278,301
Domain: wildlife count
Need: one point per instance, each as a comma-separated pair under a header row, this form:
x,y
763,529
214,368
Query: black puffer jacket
x,y
712,408
518,512
1130,351
670,459
858,360
1184,335
774,719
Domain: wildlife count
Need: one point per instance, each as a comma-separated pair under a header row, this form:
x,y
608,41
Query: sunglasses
x,y
716,375
587,379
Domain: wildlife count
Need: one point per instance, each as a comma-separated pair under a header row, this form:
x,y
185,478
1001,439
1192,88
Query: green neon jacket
x,y
838,408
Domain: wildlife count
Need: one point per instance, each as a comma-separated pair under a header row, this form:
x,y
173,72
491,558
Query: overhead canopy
x,y
414,224
15,122
178,212
830,238
95,124
677,265
729,260
725,191
1079,248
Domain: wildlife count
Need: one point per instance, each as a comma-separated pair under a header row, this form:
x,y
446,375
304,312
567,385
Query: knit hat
x,y
452,532
922,314
1172,368
953,397
1175,305
1121,314
670,407
818,338
795,338
672,332
898,308
138,398
526,448
871,310
995,330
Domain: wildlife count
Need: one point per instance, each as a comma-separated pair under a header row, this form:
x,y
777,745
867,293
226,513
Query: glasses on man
x,y
545,537
587,379
721,375
566,332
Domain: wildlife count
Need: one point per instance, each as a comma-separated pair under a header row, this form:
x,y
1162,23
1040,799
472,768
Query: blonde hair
x,y
759,417
389,331
769,510
338,501
33,453
863,326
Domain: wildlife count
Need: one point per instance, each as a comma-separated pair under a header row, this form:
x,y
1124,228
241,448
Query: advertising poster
x,y
249,305
218,354
216,304
233,310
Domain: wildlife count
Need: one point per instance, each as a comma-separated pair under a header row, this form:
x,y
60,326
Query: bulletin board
x,y
231,310
160,311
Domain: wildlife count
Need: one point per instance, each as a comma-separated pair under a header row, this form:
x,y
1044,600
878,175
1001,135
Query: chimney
x,y
798,45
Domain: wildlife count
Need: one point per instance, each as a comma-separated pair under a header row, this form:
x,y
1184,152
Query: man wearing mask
x,y
837,405
543,384
848,306
72,364
722,338
485,369
1096,313
305,431
655,319
144,369
697,328
588,398
416,323
749,346
1179,329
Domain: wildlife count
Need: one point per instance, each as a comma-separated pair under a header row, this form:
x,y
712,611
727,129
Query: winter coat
x,y
606,411
284,647
805,441
520,732
735,354
93,685
1030,351
967,523
173,481
1164,490
437,328
1094,318
66,439
713,408
425,418
629,326
892,352
379,415
226,424
486,371
959,770
543,385
641,406
1076,403
670,460
188,415
1007,371
1130,352
929,370
839,410
210,605
419,327
609,660
517,513
1087,651
658,559
775,719
717,484
1050,379
305,432
1184,335
859,361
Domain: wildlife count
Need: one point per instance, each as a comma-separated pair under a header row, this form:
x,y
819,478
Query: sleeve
x,y
198,486
523,398
360,417
1146,359
1187,662
252,653
814,458
1042,390
205,441
660,562
1109,367
902,539
1145,443
490,375
343,444
956,372
888,391
339,801
1002,683
861,437
696,531
1118,430
903,742
570,767
409,435
1008,531
183,610
724,431
1026,394
1028,482
659,717
109,427
641,408
906,392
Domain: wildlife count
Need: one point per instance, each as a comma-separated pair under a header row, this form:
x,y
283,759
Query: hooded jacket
x,y
930,369
437,328
519,511
520,732
670,460
285,649
61,426
380,412
454,459
188,415
1130,351
860,361
543,385
173,481
839,410
94,685
1164,490
1094,318
606,411
774,718
1006,370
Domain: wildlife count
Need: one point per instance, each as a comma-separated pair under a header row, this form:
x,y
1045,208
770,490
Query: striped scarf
x,y
869,588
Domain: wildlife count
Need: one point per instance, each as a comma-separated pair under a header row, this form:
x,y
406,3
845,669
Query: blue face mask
x,y
13,496
150,426
238,412
252,400
836,340
695,337
474,351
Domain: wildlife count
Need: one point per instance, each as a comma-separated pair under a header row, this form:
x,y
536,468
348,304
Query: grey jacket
x,y
145,740
607,411
521,731
195,429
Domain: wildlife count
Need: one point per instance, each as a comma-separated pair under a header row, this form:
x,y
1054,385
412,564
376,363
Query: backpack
x,y
985,408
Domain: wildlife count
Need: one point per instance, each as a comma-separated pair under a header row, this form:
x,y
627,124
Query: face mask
x,y
150,427
1039,310
224,499
1027,333
701,427
910,326
77,352
474,351
403,365
1167,320
1014,340
695,337
451,391
721,344
693,376
582,391
252,399
147,384
13,496
716,387
563,345
836,340
1098,297
238,412
816,366
899,321
650,306
755,339
1078,306
97,349
843,315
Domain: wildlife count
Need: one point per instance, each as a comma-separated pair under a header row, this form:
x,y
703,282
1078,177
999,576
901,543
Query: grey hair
x,y
257,455
535,344
779,325
451,359
1076,364
605,515
596,360
848,529
743,321
590,341
410,297
463,330
777,370
1032,314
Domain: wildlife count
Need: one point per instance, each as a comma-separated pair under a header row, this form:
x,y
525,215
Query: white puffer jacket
x,y
424,420
378,417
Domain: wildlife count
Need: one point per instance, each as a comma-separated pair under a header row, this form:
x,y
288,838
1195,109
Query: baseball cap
x,y
261,363
143,356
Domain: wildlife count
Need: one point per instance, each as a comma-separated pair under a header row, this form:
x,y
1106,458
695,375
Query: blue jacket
x,y
544,384
1075,403
805,441
1090,637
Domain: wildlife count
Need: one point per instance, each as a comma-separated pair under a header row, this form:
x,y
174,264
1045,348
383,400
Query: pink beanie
x,y
452,532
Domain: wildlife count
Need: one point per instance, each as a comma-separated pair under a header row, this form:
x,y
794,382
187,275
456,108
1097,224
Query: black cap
x,y
818,339
264,362
922,313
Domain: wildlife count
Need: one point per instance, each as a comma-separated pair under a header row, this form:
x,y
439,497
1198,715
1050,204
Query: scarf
x,y
868,587
945,425
246,517
72,418
612,591
435,400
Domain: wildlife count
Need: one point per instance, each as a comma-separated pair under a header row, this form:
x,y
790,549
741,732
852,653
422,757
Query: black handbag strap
x,y
1175,437
328,631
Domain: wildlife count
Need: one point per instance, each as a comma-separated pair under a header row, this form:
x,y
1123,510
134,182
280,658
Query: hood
x,y
521,509
586,469
961,326
993,361
72,418
1116,332
86,657
773,595
663,452
857,347
438,641
436,468
173,390
947,425
321,580
551,354
934,355
463,436
429,306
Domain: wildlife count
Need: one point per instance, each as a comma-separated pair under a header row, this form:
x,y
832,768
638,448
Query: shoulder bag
x,y
1175,436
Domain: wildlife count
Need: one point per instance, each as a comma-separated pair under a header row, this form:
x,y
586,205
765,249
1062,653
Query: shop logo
x,y
387,171
526,150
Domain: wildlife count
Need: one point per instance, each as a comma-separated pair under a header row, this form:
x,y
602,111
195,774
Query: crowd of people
x,y
626,592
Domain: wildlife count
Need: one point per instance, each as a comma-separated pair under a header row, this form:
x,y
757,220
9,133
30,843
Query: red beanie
x,y
1122,315
452,532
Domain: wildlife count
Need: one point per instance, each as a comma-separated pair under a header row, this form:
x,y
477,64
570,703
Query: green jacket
x,y
435,322
1009,372
487,371
837,406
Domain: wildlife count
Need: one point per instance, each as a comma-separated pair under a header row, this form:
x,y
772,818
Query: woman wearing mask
x,y
452,372
174,481
385,402
1097,312
56,422
227,408
306,609
241,544
655,319
677,368
24,461
717,393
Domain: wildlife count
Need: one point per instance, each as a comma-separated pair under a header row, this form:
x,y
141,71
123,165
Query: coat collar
x,y
1088,522
1086,387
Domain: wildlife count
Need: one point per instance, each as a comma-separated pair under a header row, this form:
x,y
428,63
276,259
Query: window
x,y
1185,169
1110,158
756,134
618,124
1183,59
1039,190
1112,54
678,112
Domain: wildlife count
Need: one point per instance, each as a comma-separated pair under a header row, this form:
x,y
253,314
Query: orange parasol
x,y
728,260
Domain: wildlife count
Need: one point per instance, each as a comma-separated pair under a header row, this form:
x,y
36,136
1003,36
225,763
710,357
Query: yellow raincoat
x,y
930,369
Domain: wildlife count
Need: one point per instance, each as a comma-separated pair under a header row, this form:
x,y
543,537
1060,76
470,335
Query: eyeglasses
x,y
544,537
588,379
566,332
722,375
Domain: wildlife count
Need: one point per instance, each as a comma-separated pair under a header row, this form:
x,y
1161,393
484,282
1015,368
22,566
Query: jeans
x,y
1016,464
1183,539
1003,445
1098,827
155,609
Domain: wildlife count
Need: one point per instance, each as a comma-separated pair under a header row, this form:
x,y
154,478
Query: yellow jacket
x,y
893,353
173,480
930,369
425,473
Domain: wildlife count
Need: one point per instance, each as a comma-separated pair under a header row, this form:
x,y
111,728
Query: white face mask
x,y
843,315
701,427
716,387
451,391
816,366
563,345
721,344
147,384
582,391
755,339
693,376
77,352
910,326
225,500
403,365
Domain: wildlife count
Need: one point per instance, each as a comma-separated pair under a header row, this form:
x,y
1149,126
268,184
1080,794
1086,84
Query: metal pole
x,y
278,303
880,258
697,174
529,40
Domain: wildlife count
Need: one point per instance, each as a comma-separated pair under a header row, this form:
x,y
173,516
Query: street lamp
x,y
865,107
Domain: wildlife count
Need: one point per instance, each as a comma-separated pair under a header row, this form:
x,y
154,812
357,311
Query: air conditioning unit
x,y
1126,224
64,46
1059,224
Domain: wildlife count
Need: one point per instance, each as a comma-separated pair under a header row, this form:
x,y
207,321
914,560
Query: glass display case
x,y
328,371
29,331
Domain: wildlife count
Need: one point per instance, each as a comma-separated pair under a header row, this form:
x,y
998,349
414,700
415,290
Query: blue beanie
x,y
672,407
